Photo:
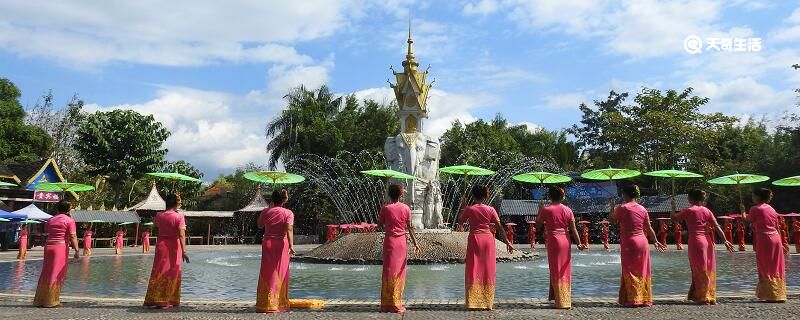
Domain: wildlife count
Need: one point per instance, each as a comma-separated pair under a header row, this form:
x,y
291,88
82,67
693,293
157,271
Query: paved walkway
x,y
666,307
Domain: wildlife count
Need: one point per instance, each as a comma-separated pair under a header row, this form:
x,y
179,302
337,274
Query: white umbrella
x,y
33,212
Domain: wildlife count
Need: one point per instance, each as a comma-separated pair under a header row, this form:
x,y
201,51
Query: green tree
x,y
19,142
320,122
190,191
121,144
62,125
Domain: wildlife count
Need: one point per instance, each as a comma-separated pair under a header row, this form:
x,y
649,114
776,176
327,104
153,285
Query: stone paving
x,y
666,307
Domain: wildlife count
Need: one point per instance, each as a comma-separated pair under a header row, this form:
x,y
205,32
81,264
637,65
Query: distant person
x,y
796,235
560,220
702,258
23,242
481,263
146,241
61,235
604,235
728,228
634,229
119,240
769,248
164,287
678,229
87,241
532,234
395,220
278,245
663,231
585,235
740,234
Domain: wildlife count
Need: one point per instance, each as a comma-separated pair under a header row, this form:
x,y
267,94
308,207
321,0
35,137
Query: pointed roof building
x,y
257,204
411,91
153,202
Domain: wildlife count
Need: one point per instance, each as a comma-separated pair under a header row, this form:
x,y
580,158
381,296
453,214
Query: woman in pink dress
x,y
702,259
146,241
119,240
634,228
481,260
278,245
395,219
87,241
61,235
769,248
164,287
23,243
559,257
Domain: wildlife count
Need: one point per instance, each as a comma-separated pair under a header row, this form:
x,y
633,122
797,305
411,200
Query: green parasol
x,y
125,223
4,220
174,176
274,177
148,224
28,221
6,184
541,177
95,221
609,174
739,179
788,182
672,175
466,170
64,187
387,173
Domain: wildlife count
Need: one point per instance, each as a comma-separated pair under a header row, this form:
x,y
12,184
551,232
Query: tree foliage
x,y
190,191
121,144
19,142
320,122
62,125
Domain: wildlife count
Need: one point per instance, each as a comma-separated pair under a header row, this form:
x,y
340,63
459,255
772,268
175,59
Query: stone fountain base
x,y
437,247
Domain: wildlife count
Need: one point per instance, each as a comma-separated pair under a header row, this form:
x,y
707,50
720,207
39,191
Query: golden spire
x,y
410,62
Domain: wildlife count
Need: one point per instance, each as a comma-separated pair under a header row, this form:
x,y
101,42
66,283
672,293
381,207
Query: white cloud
x,y
206,130
482,7
743,96
566,100
150,32
532,127
444,107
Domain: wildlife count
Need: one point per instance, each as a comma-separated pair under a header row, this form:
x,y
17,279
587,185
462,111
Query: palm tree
x,y
297,128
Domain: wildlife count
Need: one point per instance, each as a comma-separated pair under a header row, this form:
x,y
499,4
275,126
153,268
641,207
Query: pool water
x,y
232,275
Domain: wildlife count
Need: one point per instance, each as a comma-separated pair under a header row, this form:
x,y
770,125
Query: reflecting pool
x,y
232,275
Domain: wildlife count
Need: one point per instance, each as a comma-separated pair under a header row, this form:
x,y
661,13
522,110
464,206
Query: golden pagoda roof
x,y
410,88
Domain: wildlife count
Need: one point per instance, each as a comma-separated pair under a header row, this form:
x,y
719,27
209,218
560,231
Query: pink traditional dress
x,y
635,286
87,242
394,217
273,281
481,263
769,253
164,287
119,240
559,256
702,259
54,268
23,243
146,242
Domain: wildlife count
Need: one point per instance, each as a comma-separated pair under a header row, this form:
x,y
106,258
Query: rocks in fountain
x,y
436,247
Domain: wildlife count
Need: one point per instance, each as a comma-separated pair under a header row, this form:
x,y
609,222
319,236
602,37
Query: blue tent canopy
x,y
9,215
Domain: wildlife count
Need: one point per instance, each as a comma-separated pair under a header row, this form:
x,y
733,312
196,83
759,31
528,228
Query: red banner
x,y
46,196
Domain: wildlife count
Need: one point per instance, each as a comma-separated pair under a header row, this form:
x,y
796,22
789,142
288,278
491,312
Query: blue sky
x,y
214,74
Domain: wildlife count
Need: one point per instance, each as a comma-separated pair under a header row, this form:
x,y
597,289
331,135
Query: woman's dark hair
x,y
172,200
480,192
697,195
394,191
63,206
763,194
556,193
631,191
279,197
